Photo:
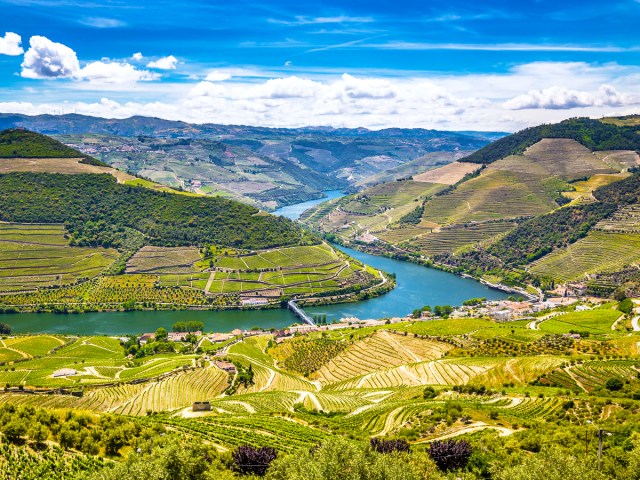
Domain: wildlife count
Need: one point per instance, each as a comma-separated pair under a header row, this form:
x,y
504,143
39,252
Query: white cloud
x,y
164,63
137,56
217,76
47,59
102,22
303,20
115,73
561,98
10,44
528,94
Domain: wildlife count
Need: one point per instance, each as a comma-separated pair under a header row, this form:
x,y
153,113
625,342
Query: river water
x,y
416,286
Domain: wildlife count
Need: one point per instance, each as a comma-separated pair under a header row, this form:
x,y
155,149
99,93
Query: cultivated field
x,y
35,256
597,252
449,174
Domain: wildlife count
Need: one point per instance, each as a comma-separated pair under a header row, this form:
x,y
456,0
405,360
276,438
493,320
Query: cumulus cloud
x,y
10,44
137,56
164,63
115,73
561,98
527,95
47,59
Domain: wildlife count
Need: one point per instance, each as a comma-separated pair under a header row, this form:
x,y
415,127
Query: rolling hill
x,y
78,233
264,167
538,206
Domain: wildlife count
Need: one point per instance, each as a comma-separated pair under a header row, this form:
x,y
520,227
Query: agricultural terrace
x,y
96,360
355,381
37,255
599,251
288,271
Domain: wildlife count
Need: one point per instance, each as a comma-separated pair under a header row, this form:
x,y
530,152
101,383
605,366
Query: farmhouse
x,y
226,366
181,336
220,337
64,372
201,406
145,337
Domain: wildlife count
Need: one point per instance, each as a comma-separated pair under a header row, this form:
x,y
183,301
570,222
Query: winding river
x,y
416,286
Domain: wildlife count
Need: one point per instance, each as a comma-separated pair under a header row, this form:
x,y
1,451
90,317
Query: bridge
x,y
293,306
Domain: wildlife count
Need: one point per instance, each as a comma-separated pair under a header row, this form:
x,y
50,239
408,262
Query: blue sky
x,y
434,64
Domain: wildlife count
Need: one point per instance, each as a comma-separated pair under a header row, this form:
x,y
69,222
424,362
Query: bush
x,y
253,461
450,454
429,392
389,446
614,384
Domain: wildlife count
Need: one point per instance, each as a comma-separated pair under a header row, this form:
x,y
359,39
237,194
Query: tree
x,y
5,329
253,461
614,384
429,392
14,429
626,306
161,335
450,454
38,433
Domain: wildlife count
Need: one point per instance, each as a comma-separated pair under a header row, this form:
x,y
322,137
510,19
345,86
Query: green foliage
x,y
593,134
614,384
429,393
97,210
190,326
169,459
18,143
414,217
626,306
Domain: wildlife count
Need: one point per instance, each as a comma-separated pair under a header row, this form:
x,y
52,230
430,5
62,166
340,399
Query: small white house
x,y
64,372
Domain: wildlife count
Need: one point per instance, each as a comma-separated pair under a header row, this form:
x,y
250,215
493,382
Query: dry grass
x,y
449,174
58,165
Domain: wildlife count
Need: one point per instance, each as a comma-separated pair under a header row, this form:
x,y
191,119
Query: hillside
x,y
530,197
68,229
496,387
266,167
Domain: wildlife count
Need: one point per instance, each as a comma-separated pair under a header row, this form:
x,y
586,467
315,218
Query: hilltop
x,y
535,208
82,235
265,167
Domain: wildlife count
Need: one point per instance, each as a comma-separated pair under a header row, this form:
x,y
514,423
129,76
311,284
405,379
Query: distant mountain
x,y
267,167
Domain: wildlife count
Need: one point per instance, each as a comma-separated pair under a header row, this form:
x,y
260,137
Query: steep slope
x,y
533,196
66,229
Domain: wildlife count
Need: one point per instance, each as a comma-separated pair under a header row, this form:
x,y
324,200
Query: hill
x,y
266,167
68,229
533,196
510,392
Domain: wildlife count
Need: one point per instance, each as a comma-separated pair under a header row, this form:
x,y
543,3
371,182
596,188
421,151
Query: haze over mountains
x,y
266,167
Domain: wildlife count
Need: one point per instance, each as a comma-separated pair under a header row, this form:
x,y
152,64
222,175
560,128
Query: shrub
x,y
614,384
429,392
450,454
389,446
253,461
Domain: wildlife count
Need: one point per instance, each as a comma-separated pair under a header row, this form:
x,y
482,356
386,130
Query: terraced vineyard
x,y
39,256
452,238
599,251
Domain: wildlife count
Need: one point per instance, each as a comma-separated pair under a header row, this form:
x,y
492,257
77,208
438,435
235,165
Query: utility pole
x,y
600,433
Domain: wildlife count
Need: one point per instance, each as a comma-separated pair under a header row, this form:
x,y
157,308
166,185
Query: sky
x,y
447,65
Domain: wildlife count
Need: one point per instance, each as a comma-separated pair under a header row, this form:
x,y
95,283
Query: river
x,y
416,286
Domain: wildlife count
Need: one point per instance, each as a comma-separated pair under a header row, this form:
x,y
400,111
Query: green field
x,y
37,256
596,321
599,251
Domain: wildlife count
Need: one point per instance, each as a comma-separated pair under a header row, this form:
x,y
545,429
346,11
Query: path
x,y
20,352
634,324
535,324
615,324
303,394
249,408
474,427
389,422
401,347
209,282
